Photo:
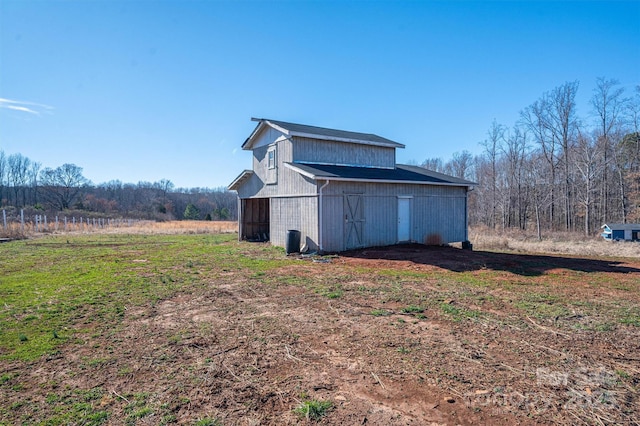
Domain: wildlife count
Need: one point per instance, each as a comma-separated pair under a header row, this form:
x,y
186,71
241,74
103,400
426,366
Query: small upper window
x,y
271,158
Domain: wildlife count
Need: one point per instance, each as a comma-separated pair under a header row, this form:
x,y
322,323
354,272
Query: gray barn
x,y
343,190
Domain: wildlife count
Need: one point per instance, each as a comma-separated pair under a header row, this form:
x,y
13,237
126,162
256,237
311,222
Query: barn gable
x,y
342,190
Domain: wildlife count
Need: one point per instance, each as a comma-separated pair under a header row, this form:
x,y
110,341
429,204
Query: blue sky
x,y
146,90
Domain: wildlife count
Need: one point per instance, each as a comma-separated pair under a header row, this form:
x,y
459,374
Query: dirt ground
x,y
248,349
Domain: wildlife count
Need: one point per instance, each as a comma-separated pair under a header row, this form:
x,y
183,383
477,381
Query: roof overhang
x,y
241,179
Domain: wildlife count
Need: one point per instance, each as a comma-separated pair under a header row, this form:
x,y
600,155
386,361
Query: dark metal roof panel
x,y
322,133
402,173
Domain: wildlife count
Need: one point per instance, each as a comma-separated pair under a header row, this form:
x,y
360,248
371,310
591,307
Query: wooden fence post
x,y
4,218
22,220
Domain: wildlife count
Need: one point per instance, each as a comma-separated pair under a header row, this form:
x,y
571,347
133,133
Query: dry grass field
x,y
176,227
180,227
184,325
556,243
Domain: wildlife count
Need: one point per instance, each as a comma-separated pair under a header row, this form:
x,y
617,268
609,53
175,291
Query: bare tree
x,y
541,195
17,176
34,172
608,104
461,164
63,184
631,150
514,152
3,173
434,164
552,122
564,127
589,162
492,146
535,120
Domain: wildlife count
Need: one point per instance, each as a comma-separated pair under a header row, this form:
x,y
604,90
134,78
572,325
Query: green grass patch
x,y
458,313
207,422
77,406
55,288
413,309
543,305
331,291
313,409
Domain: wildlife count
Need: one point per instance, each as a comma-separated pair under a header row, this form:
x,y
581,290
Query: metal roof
x,y
401,174
314,132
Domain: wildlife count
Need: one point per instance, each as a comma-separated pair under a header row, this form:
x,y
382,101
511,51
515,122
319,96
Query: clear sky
x,y
146,90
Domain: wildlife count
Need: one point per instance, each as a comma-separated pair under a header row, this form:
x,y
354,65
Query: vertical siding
x,y
314,150
281,181
436,210
299,213
332,220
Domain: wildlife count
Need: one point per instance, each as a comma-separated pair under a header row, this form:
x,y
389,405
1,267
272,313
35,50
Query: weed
x,y
125,371
5,378
631,320
623,374
138,414
607,326
458,313
332,292
313,409
207,422
168,419
412,309
380,313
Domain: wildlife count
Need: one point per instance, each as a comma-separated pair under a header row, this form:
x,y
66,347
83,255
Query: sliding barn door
x,y
353,221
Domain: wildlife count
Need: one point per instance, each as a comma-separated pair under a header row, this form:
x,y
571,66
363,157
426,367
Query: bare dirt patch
x,y
407,335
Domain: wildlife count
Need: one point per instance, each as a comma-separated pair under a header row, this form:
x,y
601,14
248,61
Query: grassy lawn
x,y
57,289
140,324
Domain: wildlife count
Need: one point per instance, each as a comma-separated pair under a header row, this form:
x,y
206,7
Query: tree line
x,y
24,184
554,170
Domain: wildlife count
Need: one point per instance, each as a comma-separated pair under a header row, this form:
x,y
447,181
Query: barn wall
x,y
329,152
299,213
437,212
280,181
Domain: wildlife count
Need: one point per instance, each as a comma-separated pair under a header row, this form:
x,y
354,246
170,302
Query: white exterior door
x,y
404,219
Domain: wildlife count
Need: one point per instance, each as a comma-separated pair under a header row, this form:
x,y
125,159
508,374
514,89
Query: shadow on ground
x,y
458,260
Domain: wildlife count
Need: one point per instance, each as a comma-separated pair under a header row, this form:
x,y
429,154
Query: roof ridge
x,y
319,127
